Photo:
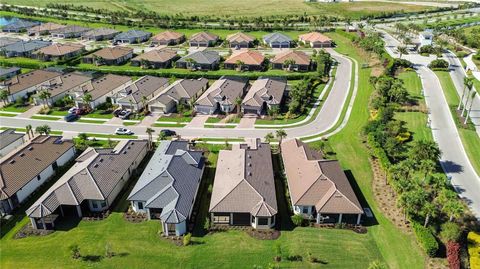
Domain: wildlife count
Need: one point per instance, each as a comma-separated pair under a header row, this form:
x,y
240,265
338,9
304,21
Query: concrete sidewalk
x,y
29,113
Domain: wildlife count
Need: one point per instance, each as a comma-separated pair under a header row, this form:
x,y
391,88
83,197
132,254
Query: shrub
x,y
451,231
426,239
75,251
438,63
428,49
295,258
278,252
297,219
208,224
312,258
474,249
187,239
453,255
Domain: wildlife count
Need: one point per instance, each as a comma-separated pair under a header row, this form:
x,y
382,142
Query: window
x,y
305,210
94,204
55,166
103,204
262,221
140,205
39,177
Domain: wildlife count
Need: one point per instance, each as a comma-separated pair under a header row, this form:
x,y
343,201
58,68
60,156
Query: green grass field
x,y
238,8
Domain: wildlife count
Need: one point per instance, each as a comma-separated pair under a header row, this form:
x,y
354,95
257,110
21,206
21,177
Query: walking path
x,y
29,113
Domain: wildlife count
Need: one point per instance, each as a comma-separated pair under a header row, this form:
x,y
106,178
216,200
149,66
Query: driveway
x,y
30,112
247,122
198,121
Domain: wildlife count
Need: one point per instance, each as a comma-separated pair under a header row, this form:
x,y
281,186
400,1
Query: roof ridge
x,y
228,193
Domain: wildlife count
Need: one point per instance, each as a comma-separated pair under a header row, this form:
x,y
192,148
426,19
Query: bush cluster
x,y
426,239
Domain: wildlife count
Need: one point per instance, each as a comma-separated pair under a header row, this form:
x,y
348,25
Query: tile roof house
x,y
10,140
200,60
44,28
23,48
25,169
8,72
168,186
246,60
132,36
6,40
277,40
182,91
244,187
59,51
109,56
91,185
99,34
132,96
20,85
315,40
101,89
264,94
18,26
64,85
221,95
162,58
203,39
168,38
292,60
70,31
318,188
240,40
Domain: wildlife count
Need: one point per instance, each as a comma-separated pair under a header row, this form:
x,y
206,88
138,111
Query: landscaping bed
x,y
356,228
96,216
135,217
28,231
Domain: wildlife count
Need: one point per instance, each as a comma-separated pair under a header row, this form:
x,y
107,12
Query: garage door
x,y
156,109
241,219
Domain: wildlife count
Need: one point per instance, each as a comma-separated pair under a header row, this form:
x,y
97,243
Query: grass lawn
x,y
214,139
23,130
13,108
213,120
412,83
3,114
173,125
98,115
111,136
220,126
57,113
129,123
39,117
175,119
91,121
469,137
234,8
399,250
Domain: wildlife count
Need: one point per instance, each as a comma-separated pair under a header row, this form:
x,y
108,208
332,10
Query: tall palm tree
x,y
466,101
238,103
467,83
239,64
43,129
87,98
402,50
150,131
470,107
429,210
4,96
144,103
28,130
269,137
45,95
280,134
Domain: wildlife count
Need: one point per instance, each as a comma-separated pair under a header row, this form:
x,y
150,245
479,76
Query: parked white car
x,y
123,131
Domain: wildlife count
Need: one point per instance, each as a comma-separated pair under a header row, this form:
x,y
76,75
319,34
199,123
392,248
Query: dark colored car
x,y
70,117
167,132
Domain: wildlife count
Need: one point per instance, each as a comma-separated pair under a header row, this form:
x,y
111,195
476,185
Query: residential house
x,y
182,91
25,169
265,94
244,187
319,189
315,40
246,60
90,186
140,92
21,85
168,38
6,40
58,51
168,186
64,85
203,39
99,34
240,40
10,140
132,36
70,31
162,58
292,60
221,95
200,60
101,89
277,40
109,56
8,72
18,26
44,28
23,48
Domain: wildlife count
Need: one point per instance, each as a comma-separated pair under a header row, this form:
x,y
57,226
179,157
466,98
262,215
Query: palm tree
x,y
429,210
427,166
150,131
144,103
402,50
45,95
470,107
453,208
87,98
239,64
43,129
28,130
4,96
269,137
280,134
288,64
238,103
467,83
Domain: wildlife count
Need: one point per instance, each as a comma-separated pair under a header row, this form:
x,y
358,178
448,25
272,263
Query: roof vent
x,y
250,173
12,162
249,164
125,152
30,148
22,154
101,160
249,156
95,165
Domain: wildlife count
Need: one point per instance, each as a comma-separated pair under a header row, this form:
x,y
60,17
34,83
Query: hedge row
x,y
378,152
426,239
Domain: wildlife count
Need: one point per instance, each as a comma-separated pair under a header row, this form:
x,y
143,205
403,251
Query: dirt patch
x,y
28,230
135,217
264,234
96,216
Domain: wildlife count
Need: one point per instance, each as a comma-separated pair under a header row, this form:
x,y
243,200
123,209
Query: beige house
x,y
315,40
244,187
319,189
59,51
109,56
100,89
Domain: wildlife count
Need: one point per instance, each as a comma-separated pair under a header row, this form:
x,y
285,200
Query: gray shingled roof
x,y
276,37
170,181
224,91
269,90
144,86
93,177
202,57
4,71
184,88
99,32
70,29
6,40
20,25
25,46
132,34
9,136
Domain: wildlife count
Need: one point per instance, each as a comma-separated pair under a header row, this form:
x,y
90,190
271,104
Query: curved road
x,y
454,159
327,117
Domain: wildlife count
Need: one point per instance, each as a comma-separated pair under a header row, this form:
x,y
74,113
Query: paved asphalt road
x,y
327,117
454,160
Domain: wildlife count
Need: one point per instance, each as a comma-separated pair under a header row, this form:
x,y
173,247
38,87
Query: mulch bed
x,y
96,216
269,234
356,228
176,240
135,217
28,230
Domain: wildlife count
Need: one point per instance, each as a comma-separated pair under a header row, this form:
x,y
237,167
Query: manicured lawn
x,y
13,108
39,117
173,125
23,130
399,250
416,123
129,123
91,121
57,113
175,119
21,61
98,115
213,120
111,136
469,137
3,114
219,126
412,83
213,139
